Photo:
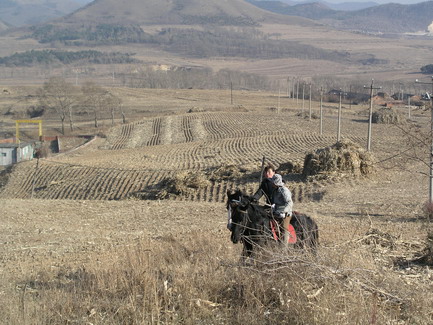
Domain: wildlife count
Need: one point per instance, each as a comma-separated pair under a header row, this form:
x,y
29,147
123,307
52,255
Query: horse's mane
x,y
259,210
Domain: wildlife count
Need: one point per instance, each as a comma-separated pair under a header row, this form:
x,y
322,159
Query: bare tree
x,y
61,96
93,97
98,99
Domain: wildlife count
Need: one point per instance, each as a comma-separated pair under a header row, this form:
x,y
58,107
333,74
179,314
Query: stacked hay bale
x,y
344,157
387,115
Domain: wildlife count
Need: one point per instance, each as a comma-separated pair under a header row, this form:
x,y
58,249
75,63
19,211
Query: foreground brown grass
x,y
197,279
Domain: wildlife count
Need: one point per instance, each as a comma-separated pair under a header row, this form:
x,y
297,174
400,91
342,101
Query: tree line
x,y
247,42
65,99
199,78
34,57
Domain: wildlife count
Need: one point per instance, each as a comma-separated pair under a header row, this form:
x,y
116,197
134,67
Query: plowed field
x,y
140,155
60,210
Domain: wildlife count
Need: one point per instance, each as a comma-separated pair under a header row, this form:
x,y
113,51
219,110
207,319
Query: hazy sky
x,y
378,1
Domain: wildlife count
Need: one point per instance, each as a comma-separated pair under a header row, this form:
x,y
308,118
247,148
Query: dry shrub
x,y
387,115
5,172
425,257
195,279
344,156
379,238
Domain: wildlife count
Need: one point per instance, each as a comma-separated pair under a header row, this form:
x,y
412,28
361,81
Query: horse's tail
x,y
306,229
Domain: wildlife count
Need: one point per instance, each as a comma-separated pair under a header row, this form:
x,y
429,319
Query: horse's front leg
x,y
247,251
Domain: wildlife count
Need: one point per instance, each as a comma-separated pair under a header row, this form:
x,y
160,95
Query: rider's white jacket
x,y
282,198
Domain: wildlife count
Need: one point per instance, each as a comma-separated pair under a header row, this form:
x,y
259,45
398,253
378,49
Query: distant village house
x,y
12,153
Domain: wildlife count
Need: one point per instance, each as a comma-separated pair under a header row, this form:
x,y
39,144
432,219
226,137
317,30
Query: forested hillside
x,y
248,43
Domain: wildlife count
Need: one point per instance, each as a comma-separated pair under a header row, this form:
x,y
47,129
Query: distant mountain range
x,y
233,12
28,12
346,6
359,16
3,26
387,18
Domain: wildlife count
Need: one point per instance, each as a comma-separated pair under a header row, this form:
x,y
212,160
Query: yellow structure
x,y
17,126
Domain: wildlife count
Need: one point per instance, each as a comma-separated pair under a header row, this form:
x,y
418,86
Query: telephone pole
x,y
309,110
370,114
339,119
431,132
303,98
321,110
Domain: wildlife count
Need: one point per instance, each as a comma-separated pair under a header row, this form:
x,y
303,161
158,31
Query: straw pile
x,y
344,157
387,115
184,183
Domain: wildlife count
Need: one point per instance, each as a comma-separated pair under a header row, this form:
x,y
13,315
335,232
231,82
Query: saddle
x,y
276,226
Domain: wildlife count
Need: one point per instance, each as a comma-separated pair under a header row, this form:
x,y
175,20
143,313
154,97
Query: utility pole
x,y
339,119
294,88
431,132
288,87
279,95
297,92
370,114
321,110
231,93
350,97
408,105
303,98
309,112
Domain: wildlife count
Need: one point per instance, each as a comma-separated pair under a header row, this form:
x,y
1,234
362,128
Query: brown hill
x,y
148,12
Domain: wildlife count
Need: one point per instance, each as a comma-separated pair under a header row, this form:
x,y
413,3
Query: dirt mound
x,y
344,156
387,115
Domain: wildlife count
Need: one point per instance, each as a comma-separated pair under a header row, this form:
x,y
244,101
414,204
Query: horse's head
x,y
237,206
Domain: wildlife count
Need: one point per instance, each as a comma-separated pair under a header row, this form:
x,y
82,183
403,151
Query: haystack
x,y
344,156
185,181
291,167
233,172
387,115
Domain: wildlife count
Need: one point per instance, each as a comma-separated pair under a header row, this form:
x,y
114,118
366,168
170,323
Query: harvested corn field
x,y
154,189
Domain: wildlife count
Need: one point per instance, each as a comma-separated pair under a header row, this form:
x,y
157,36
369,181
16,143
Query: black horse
x,y
251,224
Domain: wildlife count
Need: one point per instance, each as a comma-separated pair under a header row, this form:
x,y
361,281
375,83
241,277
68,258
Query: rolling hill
x,y
387,18
235,12
25,12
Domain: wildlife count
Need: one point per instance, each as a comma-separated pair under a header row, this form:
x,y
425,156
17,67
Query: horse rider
x,y
282,204
266,187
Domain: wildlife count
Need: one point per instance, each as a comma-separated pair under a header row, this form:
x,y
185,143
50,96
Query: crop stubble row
x,y
208,140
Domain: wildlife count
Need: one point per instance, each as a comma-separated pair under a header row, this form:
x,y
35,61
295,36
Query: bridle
x,y
245,219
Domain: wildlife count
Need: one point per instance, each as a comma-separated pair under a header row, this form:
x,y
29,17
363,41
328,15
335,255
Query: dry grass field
x,y
100,234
